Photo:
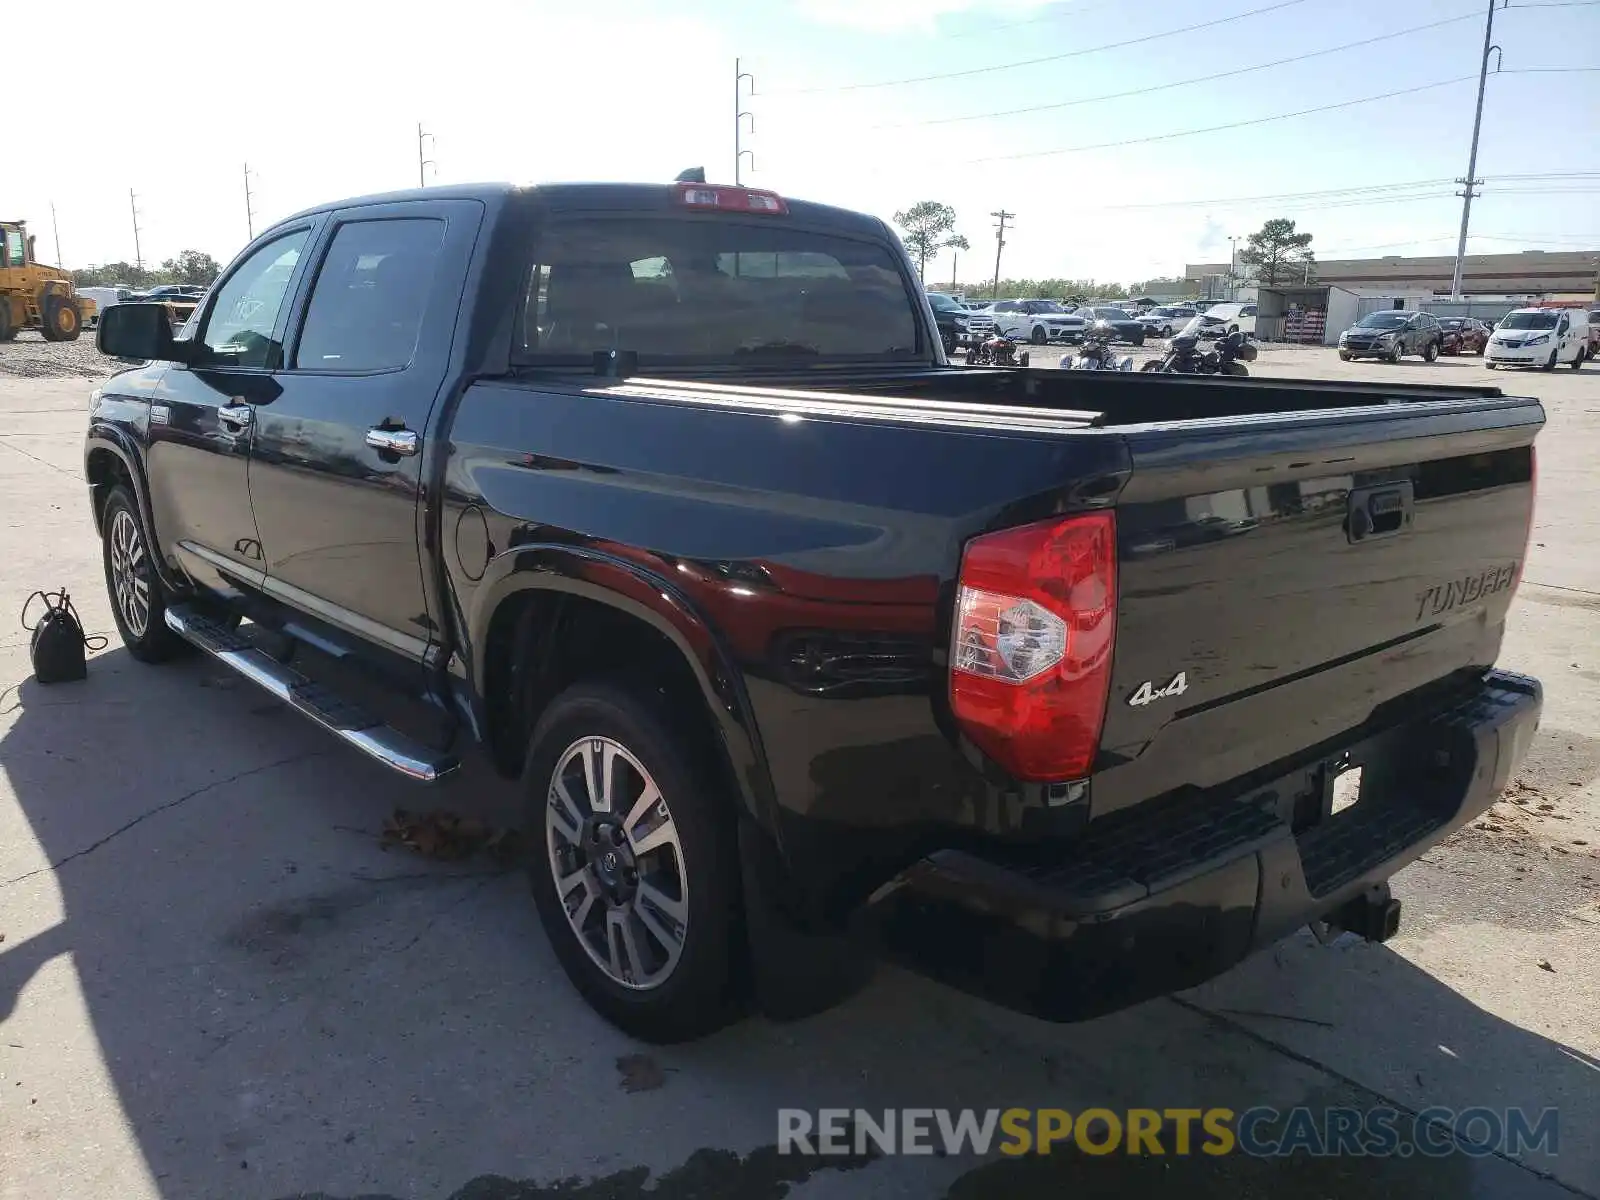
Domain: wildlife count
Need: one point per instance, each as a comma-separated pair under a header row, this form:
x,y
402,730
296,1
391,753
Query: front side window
x,y
239,329
15,247
367,305
692,289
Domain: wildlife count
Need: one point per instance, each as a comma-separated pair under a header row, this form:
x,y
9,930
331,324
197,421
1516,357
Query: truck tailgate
x,y
1281,577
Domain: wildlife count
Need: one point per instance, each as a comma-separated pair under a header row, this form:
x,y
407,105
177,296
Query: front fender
x,y
632,588
106,437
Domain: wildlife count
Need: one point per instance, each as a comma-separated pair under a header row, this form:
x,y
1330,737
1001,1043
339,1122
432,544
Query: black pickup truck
x,y
1068,689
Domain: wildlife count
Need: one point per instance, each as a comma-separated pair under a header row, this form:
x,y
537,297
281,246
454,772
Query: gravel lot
x,y
215,981
31,357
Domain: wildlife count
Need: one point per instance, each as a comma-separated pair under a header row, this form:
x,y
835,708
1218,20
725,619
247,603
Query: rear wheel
x,y
138,599
633,864
1039,337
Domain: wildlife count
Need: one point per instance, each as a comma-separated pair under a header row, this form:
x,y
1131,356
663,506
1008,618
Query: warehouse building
x,y
1525,273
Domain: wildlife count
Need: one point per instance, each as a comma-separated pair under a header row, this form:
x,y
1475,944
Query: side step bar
x,y
347,721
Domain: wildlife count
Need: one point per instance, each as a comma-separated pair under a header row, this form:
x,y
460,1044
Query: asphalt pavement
x,y
216,980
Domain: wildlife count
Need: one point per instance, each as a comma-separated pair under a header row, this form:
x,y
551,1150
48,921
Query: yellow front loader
x,y
36,296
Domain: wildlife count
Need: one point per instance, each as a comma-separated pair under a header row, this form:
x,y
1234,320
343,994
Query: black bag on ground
x,y
58,642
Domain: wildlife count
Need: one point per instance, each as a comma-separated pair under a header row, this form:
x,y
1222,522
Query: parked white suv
x,y
1036,321
1239,318
1168,319
1539,337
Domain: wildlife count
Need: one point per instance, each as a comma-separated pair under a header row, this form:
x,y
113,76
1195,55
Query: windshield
x,y
943,303
1112,314
1383,320
695,290
1535,320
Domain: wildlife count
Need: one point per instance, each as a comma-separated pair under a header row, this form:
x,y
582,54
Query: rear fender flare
x,y
630,588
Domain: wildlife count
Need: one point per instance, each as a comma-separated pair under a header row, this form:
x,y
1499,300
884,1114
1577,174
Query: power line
x,y
1162,87
1304,112
1029,62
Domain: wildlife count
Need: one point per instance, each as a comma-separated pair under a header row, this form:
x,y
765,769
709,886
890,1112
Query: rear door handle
x,y
235,414
394,441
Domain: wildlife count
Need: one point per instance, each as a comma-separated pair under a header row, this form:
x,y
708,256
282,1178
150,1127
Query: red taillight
x,y
731,199
1030,651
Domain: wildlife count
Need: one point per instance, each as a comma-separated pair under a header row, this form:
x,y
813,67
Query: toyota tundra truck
x,y
805,647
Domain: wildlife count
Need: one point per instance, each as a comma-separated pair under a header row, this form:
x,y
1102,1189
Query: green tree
x,y
1278,252
192,266
115,274
925,224
956,243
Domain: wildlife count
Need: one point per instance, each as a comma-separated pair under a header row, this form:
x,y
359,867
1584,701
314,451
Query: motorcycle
x,y
1184,356
1096,354
996,351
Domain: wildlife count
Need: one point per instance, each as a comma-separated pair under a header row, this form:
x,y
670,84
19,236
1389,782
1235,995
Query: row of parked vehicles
x,y
1042,322
1529,337
180,299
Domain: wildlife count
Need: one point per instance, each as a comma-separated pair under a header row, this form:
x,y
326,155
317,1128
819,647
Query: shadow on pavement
x,y
284,1009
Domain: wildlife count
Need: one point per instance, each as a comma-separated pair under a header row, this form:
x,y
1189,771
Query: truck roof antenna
x,y
692,175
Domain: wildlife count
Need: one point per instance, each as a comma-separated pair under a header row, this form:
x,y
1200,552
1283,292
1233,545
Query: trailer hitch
x,y
1373,915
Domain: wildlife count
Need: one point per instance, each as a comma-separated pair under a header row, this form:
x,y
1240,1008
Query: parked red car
x,y
1463,335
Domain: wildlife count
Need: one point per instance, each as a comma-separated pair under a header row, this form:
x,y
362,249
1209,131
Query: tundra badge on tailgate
x,y
1176,686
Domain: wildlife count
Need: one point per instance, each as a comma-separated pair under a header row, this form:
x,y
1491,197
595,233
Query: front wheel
x,y
1138,338
1551,365
1344,356
633,866
1430,352
61,322
1039,337
1397,352
1153,367
138,598
1583,353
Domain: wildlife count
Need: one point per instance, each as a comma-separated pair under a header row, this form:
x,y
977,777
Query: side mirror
x,y
138,331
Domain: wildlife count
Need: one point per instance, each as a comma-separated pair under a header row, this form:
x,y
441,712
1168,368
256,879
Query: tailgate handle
x,y
1381,511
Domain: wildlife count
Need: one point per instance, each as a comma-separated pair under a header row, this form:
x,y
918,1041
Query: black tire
x,y
1038,337
1153,367
1583,353
1344,356
700,992
1489,366
61,321
149,640
1430,352
1551,365
1398,352
8,331
1138,338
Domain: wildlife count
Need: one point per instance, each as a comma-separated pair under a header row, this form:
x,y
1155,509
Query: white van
x,y
1539,337
104,298
1235,316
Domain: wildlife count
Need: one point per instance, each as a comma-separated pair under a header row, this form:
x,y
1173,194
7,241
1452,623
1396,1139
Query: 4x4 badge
x,y
1176,686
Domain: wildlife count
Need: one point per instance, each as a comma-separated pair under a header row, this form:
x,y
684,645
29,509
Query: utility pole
x,y
138,255
424,163
60,262
1233,264
1000,244
955,257
1472,181
739,115
249,206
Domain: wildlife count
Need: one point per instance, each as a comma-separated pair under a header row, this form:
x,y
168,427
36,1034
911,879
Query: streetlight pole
x,y
1472,180
138,256
739,115
424,163
60,262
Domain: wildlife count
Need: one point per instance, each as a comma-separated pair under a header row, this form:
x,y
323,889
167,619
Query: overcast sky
x,y
322,100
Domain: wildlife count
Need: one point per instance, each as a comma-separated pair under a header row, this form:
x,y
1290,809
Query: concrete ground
x,y
215,982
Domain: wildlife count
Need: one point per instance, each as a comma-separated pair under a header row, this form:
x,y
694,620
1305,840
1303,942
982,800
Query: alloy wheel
x,y
617,862
129,573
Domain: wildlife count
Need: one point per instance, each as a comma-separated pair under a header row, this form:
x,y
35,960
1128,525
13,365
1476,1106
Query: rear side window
x,y
713,289
366,307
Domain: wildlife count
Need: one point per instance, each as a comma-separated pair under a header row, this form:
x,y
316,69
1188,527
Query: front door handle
x,y
394,441
235,414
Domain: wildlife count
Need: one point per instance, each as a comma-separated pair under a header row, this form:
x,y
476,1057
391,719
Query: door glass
x,y
245,312
366,308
